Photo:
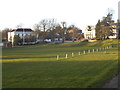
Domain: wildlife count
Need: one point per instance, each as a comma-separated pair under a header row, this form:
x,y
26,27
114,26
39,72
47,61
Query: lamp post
x,y
63,31
23,36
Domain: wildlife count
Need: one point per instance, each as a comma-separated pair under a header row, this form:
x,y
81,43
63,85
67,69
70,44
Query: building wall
x,y
11,36
21,34
115,33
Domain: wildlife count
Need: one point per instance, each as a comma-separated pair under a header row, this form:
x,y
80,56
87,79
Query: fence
x,y
83,52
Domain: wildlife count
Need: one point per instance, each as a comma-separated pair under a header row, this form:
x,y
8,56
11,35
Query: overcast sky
x,y
78,12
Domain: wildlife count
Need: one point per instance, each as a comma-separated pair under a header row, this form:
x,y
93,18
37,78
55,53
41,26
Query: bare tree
x,y
44,27
37,31
49,28
41,29
52,28
73,32
106,32
36,27
5,33
19,25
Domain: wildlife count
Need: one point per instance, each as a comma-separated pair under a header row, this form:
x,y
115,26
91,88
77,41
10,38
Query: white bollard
x,y
79,53
84,52
103,48
57,57
97,50
66,56
88,51
72,54
110,46
93,50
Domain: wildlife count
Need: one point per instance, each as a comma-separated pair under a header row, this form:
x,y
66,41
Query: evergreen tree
x,y
103,28
98,30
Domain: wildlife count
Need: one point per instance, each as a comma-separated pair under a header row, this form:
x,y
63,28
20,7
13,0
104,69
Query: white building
x,y
21,32
89,32
114,31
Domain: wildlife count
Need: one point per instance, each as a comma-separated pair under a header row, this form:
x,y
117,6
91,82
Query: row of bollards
x,y
85,51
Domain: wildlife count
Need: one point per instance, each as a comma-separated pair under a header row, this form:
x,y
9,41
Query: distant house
x,y
21,32
72,30
75,33
114,31
89,32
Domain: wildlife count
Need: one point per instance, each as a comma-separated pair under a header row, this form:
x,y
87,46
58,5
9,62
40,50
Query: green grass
x,y
37,67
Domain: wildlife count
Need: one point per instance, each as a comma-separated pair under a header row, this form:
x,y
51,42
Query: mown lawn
x,y
37,67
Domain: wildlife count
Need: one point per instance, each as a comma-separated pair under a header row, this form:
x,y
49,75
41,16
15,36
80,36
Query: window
x,y
89,29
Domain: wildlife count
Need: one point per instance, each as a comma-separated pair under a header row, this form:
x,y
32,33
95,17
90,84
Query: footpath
x,y
113,83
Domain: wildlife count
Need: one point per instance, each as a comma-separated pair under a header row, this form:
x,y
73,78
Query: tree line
x,y
48,29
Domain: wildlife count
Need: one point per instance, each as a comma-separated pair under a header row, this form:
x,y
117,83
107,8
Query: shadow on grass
x,y
60,74
27,57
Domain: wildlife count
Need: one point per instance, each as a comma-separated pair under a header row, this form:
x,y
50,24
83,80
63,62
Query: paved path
x,y
113,83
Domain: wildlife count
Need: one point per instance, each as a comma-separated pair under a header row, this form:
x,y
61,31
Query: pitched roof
x,y
22,30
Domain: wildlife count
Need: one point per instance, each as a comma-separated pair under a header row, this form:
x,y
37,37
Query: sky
x,y
78,12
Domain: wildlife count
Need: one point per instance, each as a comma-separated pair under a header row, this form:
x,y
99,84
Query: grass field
x,y
37,67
